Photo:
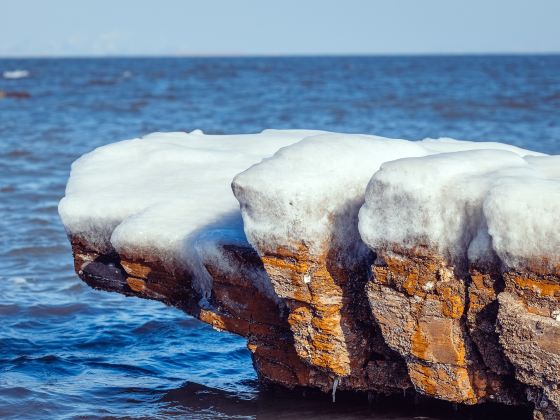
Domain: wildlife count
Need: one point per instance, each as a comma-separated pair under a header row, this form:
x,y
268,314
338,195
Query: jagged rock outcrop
x,y
440,278
442,324
419,333
237,306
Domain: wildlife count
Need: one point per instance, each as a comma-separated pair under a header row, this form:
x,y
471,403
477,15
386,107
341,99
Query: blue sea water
x,y
67,351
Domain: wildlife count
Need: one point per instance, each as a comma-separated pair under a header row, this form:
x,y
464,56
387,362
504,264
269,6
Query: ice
x,y
154,197
210,248
335,385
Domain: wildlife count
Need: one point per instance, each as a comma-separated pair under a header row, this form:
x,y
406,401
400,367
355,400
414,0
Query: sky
x,y
283,27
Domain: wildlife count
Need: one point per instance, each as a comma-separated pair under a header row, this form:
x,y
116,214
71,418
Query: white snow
x,y
470,206
154,197
311,192
447,145
168,196
15,74
523,216
435,200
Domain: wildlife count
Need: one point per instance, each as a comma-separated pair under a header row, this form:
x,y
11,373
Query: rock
x,y
529,333
485,283
331,323
420,333
15,95
421,279
425,315
236,306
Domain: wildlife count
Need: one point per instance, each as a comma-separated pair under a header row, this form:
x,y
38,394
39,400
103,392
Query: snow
x,y
471,206
155,196
431,191
310,193
447,145
15,74
168,197
523,215
434,201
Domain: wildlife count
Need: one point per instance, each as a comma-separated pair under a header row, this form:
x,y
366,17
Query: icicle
x,y
335,384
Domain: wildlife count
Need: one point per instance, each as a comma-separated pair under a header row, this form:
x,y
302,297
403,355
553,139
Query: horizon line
x,y
272,55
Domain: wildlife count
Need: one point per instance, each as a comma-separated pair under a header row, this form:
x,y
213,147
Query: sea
x,y
67,351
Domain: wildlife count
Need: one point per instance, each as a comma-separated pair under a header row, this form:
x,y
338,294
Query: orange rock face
x,y
409,320
236,306
330,320
423,308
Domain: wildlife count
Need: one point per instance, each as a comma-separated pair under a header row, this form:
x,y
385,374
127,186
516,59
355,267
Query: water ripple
x,y
67,351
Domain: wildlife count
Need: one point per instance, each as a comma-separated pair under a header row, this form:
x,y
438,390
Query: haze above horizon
x,y
66,28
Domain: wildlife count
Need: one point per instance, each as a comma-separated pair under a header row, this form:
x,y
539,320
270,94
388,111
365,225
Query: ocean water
x,y
67,351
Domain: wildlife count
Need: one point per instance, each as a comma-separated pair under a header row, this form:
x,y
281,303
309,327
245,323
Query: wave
x,y
16,74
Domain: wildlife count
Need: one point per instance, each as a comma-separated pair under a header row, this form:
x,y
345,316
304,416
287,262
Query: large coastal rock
x,y
348,261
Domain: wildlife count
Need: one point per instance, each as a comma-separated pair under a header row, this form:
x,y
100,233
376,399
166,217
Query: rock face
x,y
442,324
529,333
409,323
441,278
236,305
330,321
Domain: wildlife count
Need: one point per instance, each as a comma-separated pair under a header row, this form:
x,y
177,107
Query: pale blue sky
x,y
253,27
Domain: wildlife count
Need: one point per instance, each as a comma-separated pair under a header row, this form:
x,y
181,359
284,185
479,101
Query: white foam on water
x,y
15,74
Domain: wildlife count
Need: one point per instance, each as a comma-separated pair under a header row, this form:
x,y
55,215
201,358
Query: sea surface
x,y
67,351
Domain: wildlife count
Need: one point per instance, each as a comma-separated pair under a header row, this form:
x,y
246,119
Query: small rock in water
x,y
14,95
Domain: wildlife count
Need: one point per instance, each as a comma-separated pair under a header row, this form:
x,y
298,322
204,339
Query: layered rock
x,y
529,307
451,267
314,256
529,332
431,316
445,282
236,305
